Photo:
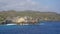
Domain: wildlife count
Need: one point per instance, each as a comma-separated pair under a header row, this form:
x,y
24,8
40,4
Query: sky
x,y
38,5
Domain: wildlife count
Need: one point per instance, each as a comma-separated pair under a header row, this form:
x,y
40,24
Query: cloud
x,y
18,4
23,5
28,0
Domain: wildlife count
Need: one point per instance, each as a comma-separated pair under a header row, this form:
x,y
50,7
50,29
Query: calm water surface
x,y
46,27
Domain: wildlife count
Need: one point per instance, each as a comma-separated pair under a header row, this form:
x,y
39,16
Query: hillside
x,y
12,13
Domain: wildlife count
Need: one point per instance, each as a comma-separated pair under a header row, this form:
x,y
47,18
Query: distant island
x,y
40,16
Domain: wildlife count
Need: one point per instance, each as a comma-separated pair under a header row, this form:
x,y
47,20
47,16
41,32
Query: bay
x,y
44,27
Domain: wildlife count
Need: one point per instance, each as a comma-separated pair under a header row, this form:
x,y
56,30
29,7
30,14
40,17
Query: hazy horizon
x,y
36,5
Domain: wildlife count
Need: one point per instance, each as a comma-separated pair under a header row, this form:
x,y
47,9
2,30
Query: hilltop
x,y
43,15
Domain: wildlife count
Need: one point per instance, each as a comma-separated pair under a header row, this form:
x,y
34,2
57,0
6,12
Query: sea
x,y
44,27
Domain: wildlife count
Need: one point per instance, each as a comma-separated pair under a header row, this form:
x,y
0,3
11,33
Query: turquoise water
x,y
46,27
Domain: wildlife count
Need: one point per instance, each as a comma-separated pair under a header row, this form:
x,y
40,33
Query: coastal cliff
x,y
42,16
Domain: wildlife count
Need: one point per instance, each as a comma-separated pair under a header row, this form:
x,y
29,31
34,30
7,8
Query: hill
x,y
43,15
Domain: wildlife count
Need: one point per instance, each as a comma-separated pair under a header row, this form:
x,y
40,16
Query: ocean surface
x,y
45,27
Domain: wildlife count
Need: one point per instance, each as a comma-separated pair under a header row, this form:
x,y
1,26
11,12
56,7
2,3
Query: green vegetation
x,y
41,15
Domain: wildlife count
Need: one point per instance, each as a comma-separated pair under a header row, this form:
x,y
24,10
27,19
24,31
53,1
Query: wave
x,y
11,24
26,24
17,24
42,24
